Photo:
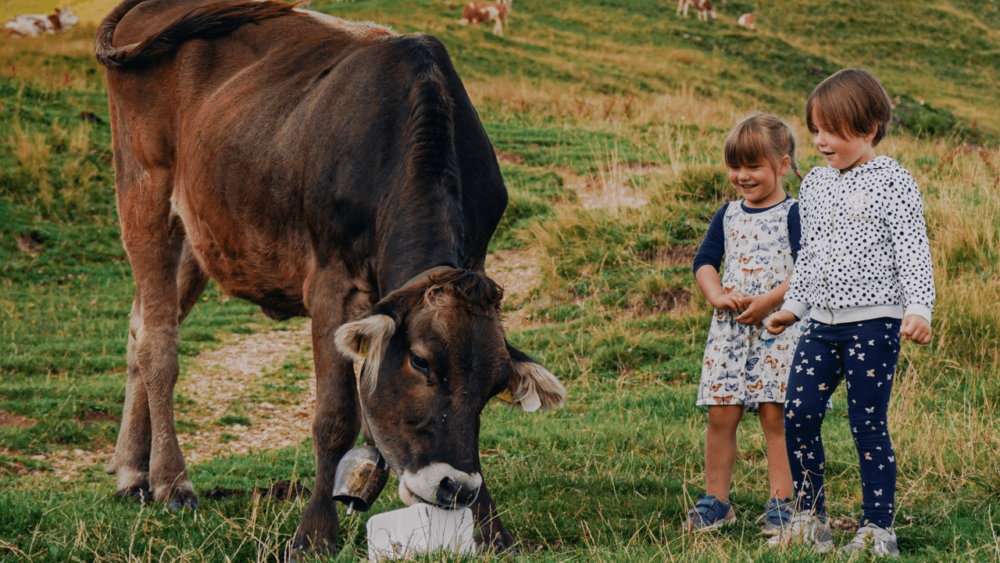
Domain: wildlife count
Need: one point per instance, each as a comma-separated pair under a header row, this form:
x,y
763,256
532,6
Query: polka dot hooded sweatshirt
x,y
865,252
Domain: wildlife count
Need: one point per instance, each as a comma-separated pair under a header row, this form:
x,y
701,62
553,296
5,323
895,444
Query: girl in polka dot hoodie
x,y
863,280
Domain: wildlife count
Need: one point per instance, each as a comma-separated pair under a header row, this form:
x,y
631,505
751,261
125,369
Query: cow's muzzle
x,y
440,484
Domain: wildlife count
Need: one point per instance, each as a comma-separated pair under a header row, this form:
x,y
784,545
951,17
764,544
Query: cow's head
x,y
435,353
67,18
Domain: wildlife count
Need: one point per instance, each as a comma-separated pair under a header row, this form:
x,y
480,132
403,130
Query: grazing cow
x,y
496,12
323,168
704,7
33,25
748,21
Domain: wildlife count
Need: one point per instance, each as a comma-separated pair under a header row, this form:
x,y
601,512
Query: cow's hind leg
x,y
154,241
337,420
130,463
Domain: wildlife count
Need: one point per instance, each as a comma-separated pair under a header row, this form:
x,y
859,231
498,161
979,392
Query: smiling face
x,y
841,153
760,183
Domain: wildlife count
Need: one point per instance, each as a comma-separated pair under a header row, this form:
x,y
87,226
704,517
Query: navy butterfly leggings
x,y
864,354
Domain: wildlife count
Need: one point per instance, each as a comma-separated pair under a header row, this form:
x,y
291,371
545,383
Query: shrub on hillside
x,y
921,119
705,183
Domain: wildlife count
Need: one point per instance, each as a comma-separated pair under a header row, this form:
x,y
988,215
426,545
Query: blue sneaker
x,y
709,513
777,513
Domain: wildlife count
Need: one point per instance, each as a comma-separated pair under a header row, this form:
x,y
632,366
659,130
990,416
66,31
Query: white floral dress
x,y
745,365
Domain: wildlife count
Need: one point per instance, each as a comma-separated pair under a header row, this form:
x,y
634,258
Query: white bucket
x,y
417,529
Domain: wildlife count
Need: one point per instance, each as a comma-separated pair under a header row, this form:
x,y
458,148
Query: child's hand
x,y
734,301
778,322
756,311
915,328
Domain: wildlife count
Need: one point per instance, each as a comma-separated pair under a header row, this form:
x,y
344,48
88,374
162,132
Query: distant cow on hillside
x,y
748,21
704,7
496,12
33,25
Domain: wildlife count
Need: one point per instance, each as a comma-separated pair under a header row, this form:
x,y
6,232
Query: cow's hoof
x,y
501,542
141,494
301,551
295,553
176,504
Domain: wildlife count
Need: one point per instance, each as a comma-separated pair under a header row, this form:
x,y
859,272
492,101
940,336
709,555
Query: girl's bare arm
x,y
710,286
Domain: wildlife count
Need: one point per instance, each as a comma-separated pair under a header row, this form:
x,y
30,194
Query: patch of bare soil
x,y
68,463
223,379
218,380
517,272
508,157
13,420
610,188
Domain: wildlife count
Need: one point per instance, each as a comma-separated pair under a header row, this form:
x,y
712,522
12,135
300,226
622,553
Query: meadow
x,y
609,118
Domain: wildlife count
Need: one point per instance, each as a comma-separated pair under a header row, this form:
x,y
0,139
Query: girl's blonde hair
x,y
760,137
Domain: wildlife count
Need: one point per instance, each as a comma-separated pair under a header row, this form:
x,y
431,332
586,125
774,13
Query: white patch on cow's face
x,y
67,18
371,333
424,485
534,387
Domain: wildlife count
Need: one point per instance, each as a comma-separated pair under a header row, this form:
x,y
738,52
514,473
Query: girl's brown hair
x,y
760,137
850,103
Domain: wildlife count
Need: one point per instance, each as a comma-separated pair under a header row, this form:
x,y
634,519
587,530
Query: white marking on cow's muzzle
x,y
440,484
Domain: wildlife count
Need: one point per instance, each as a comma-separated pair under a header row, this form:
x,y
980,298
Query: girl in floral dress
x,y
745,368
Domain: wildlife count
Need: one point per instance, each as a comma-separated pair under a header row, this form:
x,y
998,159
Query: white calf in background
x,y
33,25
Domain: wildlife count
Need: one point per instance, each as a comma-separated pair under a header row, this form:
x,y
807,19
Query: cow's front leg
x,y
490,532
335,426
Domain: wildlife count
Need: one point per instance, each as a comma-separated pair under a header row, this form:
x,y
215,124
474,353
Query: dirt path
x,y
231,381
228,380
609,188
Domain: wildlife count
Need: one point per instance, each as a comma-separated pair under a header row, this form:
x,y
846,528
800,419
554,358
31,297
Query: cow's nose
x,y
453,494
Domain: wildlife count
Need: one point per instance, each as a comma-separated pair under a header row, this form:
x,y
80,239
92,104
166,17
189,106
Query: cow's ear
x,y
366,340
531,385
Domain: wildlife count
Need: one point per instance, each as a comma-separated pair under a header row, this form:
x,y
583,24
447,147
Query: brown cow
x,y
323,168
496,12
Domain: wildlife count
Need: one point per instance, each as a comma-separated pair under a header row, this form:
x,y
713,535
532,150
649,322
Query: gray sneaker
x,y
807,528
881,541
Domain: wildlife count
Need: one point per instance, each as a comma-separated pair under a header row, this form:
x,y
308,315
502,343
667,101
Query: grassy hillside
x,y
617,92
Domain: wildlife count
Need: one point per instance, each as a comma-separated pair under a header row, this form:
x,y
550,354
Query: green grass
x,y
576,86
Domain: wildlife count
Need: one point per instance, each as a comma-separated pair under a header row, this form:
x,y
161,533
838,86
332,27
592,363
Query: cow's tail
x,y
206,22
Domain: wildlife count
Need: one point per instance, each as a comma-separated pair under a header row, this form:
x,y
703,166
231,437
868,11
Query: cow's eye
x,y
420,364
